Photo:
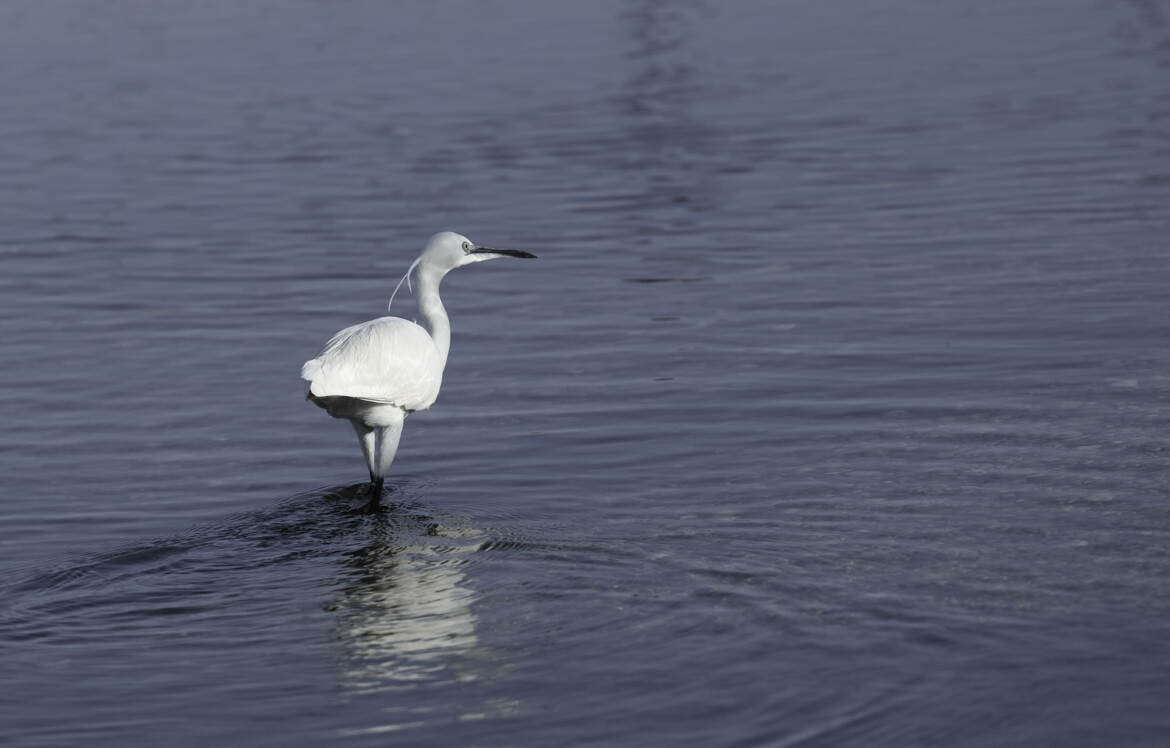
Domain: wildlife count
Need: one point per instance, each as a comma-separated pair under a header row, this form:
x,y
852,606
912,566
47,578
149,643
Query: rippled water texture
x,y
834,412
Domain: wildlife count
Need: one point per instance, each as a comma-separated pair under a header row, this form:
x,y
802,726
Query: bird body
x,y
375,373
387,360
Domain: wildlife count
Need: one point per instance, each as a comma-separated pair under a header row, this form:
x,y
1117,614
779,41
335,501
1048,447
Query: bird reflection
x,y
403,607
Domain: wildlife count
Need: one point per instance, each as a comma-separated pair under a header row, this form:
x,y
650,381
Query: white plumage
x,y
375,373
386,360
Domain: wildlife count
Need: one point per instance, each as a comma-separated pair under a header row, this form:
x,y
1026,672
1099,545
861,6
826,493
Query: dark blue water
x,y
834,412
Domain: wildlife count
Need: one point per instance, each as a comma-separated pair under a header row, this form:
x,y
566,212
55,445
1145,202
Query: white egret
x,y
376,373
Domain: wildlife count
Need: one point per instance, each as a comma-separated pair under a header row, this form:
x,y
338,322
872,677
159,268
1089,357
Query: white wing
x,y
385,360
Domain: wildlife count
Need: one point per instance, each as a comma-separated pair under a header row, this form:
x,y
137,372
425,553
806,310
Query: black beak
x,y
505,252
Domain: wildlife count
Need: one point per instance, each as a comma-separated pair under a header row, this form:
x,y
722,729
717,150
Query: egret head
x,y
447,250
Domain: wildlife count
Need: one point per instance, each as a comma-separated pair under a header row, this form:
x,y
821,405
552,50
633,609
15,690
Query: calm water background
x,y
835,411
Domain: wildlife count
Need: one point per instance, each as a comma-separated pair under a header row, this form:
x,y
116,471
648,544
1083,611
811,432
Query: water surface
x,y
833,413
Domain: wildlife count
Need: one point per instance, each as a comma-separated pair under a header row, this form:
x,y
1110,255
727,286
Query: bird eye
x,y
466,246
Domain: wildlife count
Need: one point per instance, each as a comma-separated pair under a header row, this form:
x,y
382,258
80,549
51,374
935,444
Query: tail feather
x,y
311,369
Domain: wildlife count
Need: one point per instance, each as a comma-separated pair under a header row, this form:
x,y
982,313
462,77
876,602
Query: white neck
x,y
430,307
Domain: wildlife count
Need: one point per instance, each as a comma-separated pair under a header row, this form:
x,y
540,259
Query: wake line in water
x,y
224,565
141,558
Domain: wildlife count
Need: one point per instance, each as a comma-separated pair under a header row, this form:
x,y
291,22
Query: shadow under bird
x,y
376,373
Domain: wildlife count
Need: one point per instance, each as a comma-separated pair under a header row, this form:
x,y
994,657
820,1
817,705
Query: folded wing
x,y
386,360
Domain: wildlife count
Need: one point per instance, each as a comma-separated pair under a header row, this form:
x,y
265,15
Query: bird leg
x,y
368,439
379,445
386,446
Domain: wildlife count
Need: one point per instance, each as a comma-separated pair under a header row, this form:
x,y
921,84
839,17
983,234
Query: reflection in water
x,y
662,80
404,612
671,146
396,598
